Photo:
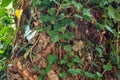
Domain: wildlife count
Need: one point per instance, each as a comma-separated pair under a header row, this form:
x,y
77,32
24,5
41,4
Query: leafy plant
x,y
6,35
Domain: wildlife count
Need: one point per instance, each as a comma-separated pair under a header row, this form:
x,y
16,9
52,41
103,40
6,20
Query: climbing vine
x,y
77,38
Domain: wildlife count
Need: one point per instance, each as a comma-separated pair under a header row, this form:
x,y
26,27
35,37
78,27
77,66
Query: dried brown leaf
x,y
52,75
26,73
19,65
35,77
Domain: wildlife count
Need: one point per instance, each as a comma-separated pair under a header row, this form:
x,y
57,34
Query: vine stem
x,y
86,3
117,45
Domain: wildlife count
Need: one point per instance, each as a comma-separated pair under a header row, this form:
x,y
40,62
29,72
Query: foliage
x,y
6,34
62,19
58,16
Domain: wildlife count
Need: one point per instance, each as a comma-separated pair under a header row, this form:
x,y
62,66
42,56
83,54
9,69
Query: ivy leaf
x,y
98,74
86,12
55,2
89,74
5,3
45,18
63,75
78,5
107,67
70,64
51,58
100,51
26,54
109,28
111,12
77,60
74,71
1,52
73,24
55,38
67,47
2,12
64,60
77,16
51,11
54,35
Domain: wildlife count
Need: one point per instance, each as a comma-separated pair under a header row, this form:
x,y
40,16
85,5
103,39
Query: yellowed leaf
x,y
18,13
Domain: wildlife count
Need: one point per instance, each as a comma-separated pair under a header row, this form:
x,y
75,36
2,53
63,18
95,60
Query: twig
x,y
86,3
117,46
58,10
105,70
32,48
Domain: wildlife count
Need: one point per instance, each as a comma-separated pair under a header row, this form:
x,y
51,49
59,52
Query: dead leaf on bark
x,y
26,73
19,65
52,75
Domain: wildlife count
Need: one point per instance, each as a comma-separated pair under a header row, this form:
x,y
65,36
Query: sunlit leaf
x,y
5,3
78,5
108,66
67,47
111,12
109,28
99,74
74,71
63,75
51,58
89,74
51,11
77,16
26,54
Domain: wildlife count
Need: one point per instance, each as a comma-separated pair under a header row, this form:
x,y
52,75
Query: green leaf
x,y
55,1
73,24
89,74
86,12
77,16
78,5
67,47
74,71
55,38
111,12
100,26
63,75
87,18
77,60
118,74
26,54
5,3
70,64
51,11
98,74
45,18
51,58
1,52
107,67
109,28
68,36
99,50
2,12
64,60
